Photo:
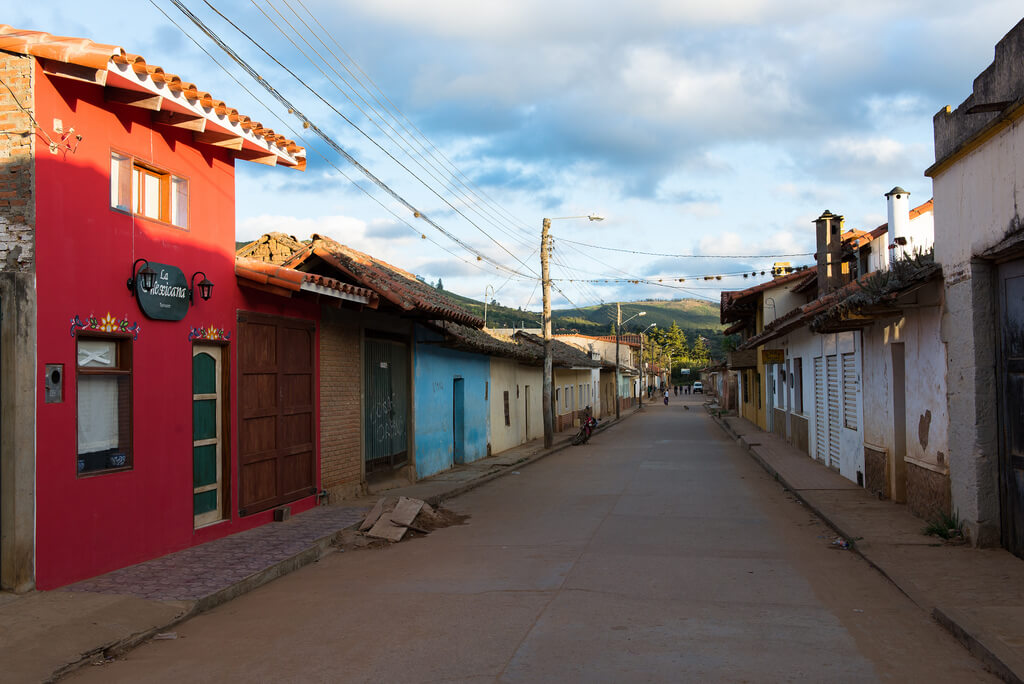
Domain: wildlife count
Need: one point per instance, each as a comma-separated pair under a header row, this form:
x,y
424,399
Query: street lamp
x,y
618,334
643,372
545,247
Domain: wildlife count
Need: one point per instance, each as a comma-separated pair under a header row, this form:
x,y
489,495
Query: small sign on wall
x,y
168,299
383,364
769,356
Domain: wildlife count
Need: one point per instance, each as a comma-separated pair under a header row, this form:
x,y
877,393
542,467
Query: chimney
x,y
900,241
829,230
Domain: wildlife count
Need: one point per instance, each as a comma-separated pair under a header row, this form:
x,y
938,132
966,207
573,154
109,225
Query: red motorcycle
x,y
587,428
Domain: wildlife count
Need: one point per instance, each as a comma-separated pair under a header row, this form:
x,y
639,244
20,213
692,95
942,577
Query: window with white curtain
x,y
103,404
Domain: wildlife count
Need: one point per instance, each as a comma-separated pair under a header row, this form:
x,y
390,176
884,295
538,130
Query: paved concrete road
x,y
659,553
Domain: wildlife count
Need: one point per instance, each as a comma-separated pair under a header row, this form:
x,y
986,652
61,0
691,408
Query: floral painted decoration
x,y
209,333
108,324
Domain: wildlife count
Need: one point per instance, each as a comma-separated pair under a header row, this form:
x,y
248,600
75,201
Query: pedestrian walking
x,y
666,396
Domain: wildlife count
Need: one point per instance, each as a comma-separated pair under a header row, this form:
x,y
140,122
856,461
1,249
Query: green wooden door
x,y
207,436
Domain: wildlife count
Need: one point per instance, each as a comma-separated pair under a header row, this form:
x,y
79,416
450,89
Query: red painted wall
x,y
84,252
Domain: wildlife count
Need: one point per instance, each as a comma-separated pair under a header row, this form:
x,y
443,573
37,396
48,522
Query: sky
x,y
717,130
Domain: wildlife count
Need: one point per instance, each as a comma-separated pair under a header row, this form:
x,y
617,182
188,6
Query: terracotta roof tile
x,y
487,342
731,299
289,280
563,355
392,284
114,59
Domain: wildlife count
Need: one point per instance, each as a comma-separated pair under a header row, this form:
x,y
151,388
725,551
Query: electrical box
x,y
54,383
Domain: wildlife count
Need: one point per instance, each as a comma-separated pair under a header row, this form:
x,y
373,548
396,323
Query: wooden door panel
x,y
258,436
297,390
299,355
259,391
296,473
258,485
276,411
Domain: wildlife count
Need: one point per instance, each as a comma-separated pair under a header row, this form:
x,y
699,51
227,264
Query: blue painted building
x,y
450,404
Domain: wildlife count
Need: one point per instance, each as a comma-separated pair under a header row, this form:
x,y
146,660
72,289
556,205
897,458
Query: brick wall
x,y
340,414
17,207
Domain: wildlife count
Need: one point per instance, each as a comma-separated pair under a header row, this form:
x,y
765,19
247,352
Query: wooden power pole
x,y
548,406
618,335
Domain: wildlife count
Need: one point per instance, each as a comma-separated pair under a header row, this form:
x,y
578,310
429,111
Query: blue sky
x,y
693,127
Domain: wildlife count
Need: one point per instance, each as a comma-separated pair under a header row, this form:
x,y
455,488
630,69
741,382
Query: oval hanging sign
x,y
168,300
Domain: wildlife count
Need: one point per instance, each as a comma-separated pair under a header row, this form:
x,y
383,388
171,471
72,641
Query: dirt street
x,y
658,552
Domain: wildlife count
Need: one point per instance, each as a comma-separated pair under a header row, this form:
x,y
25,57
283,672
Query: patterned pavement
x,y
203,570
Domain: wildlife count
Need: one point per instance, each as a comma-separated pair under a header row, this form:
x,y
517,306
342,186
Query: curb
x,y
955,625
321,548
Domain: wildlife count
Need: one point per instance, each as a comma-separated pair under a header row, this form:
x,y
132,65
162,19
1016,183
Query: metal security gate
x,y
386,412
1011,405
820,412
832,385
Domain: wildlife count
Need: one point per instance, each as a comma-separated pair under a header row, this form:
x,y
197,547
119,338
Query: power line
x,y
688,256
401,142
299,137
294,110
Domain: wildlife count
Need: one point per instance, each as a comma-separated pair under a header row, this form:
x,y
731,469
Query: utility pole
x,y
549,428
618,334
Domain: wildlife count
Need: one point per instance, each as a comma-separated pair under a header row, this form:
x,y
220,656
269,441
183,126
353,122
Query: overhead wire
x,y
399,117
298,136
292,109
401,142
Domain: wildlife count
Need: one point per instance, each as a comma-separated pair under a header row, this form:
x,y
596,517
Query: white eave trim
x,y
124,76
331,292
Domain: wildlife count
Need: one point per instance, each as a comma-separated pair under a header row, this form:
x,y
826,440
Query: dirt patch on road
x,y
428,520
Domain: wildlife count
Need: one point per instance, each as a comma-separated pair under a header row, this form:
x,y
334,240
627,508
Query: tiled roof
x,y
731,299
392,284
210,119
562,355
288,280
487,342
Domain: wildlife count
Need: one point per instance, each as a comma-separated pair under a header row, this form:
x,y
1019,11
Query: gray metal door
x,y
385,419
1011,404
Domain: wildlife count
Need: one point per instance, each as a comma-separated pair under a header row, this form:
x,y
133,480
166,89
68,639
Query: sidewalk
x,y
44,635
976,594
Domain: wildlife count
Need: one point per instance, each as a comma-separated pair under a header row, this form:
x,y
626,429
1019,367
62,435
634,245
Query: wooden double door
x,y
276,404
1011,404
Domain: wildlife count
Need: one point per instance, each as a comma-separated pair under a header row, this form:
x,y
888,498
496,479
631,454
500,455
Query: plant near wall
x,y
947,526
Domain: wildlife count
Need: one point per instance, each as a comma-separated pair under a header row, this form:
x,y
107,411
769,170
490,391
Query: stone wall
x,y
876,472
927,492
17,205
18,327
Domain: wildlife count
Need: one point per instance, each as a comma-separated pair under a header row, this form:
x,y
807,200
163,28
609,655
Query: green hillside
x,y
694,316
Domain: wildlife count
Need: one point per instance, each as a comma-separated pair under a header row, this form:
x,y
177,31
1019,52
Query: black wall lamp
x,y
146,277
205,287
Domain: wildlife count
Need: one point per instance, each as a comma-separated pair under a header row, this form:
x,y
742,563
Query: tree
x,y
700,354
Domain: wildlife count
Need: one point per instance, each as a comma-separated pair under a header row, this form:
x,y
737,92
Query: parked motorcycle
x,y
587,427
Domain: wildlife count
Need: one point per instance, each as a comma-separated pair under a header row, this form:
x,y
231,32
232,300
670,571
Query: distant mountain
x,y
694,316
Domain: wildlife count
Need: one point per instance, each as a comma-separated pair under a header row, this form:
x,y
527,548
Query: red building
x,y
138,420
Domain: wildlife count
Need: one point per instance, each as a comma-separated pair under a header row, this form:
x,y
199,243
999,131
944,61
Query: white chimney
x,y
898,201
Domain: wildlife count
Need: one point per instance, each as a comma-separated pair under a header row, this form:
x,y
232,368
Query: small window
x,y
508,420
487,391
104,404
147,191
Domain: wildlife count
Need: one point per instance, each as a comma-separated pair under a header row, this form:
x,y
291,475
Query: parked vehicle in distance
x,y
698,387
